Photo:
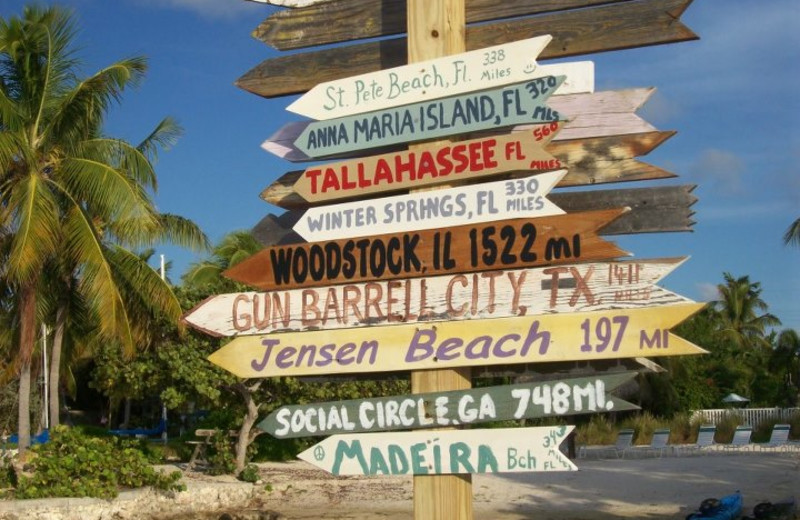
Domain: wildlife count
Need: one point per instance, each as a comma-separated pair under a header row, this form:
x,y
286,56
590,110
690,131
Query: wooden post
x,y
436,28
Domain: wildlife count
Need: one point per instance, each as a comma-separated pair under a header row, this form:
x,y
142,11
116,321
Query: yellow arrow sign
x,y
558,337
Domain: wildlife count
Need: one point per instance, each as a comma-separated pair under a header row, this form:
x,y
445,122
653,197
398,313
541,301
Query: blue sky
x,y
732,96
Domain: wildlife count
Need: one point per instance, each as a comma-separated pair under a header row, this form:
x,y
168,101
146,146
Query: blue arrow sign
x,y
518,104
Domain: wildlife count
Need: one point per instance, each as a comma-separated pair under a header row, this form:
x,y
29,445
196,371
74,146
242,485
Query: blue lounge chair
x,y
142,432
35,439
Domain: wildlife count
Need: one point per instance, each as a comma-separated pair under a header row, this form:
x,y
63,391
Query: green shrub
x,y
681,430
72,464
250,474
726,427
643,425
220,454
599,430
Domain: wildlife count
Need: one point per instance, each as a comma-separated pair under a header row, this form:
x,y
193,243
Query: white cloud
x,y
719,170
707,291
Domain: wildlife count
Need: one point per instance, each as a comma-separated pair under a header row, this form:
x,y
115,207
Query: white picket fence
x,y
751,416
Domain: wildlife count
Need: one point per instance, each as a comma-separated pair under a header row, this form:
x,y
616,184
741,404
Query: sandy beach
x,y
641,488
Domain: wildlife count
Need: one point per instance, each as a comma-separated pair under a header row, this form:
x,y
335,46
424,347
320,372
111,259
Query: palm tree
x,y
68,192
738,310
792,235
232,249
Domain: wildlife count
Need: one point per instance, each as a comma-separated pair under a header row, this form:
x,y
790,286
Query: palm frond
x,y
163,136
183,232
792,235
35,215
124,156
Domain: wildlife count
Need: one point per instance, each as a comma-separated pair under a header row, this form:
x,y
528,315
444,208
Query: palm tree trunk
x,y
55,366
27,339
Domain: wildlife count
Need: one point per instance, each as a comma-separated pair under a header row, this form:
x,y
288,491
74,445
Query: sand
x,y
669,487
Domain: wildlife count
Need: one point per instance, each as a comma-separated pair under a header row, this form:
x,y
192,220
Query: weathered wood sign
x,y
492,294
508,106
582,336
588,161
295,3
359,19
652,210
430,165
437,409
607,113
622,26
501,450
448,76
483,247
474,204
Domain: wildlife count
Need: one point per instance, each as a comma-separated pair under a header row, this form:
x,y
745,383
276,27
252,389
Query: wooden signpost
x,y
582,336
503,450
433,410
604,28
523,103
448,76
483,247
473,204
492,294
434,282
607,113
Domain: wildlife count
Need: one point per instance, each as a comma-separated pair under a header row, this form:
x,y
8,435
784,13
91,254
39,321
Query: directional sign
x,y
522,103
483,247
477,203
588,161
292,3
437,409
653,210
605,113
500,450
580,31
579,336
431,164
482,69
492,294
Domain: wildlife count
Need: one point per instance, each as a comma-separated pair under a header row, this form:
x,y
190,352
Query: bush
x,y
250,474
599,430
643,425
220,454
72,464
726,427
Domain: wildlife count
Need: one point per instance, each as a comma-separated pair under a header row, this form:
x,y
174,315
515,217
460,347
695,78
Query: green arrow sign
x,y
523,103
437,409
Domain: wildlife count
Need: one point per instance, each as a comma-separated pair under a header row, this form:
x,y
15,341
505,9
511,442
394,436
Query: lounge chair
x,y
741,439
705,439
658,444
778,439
624,441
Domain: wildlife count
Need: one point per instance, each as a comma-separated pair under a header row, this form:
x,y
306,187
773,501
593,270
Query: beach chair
x,y
623,443
705,440
778,439
160,428
658,444
741,439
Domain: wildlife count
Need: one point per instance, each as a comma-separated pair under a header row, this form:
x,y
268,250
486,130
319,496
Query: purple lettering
x,y
269,343
422,340
443,352
283,355
533,336
498,347
485,342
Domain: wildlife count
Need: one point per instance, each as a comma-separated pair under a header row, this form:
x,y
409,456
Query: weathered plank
x,y
617,26
574,396
599,114
522,103
295,3
473,248
493,294
503,450
653,210
580,336
361,19
473,204
447,76
589,161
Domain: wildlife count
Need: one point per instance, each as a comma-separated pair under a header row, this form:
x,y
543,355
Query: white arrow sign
x,y
501,450
478,203
442,77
